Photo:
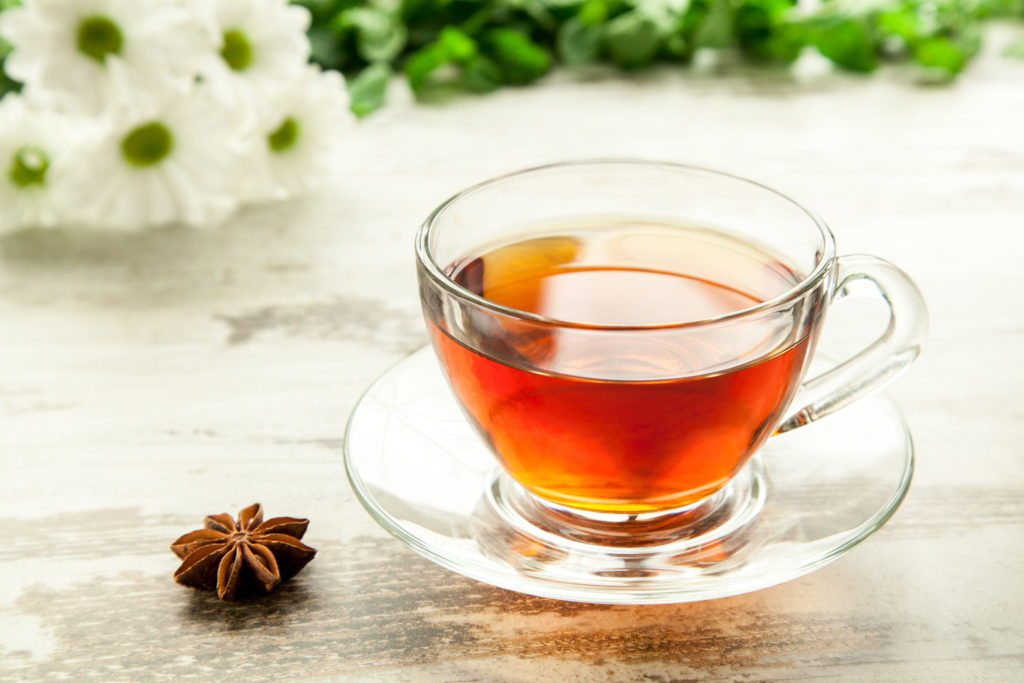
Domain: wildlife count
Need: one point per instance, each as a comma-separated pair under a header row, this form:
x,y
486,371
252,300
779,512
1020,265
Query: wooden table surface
x,y
147,380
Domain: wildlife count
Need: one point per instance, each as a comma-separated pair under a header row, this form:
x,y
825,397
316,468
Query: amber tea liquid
x,y
636,420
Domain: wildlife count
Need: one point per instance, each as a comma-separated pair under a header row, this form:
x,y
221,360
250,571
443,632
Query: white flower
x,y
32,144
260,45
171,159
63,49
293,149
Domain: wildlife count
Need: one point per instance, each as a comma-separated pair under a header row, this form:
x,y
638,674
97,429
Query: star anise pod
x,y
244,557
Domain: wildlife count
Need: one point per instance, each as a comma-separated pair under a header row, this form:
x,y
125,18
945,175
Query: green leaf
x,y
368,90
537,11
326,48
593,12
320,10
562,8
716,30
481,74
458,47
6,83
380,35
902,22
846,41
942,54
765,32
940,35
453,48
422,63
578,43
425,19
519,58
632,39
999,8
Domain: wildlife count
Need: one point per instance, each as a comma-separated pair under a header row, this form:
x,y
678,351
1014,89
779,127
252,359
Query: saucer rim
x,y
483,571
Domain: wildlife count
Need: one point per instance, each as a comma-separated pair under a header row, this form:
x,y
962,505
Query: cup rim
x,y
436,271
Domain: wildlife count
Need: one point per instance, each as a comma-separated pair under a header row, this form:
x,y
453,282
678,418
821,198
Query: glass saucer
x,y
807,498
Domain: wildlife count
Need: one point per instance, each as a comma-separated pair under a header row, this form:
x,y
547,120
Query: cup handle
x,y
866,276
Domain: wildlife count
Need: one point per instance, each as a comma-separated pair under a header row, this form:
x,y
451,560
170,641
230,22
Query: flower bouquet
x,y
136,113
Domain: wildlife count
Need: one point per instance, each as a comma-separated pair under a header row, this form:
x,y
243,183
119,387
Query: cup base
x,y
712,519
537,537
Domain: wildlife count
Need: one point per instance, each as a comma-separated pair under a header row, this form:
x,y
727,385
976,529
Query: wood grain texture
x,y
147,380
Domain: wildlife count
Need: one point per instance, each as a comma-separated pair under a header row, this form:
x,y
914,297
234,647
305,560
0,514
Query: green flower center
x,y
29,167
285,137
148,144
99,36
237,50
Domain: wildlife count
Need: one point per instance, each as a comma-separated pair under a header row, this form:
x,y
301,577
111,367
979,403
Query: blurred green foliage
x,y
481,45
6,84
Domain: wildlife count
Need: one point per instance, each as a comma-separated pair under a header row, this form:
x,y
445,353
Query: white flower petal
x,y
318,102
160,42
192,184
23,126
276,33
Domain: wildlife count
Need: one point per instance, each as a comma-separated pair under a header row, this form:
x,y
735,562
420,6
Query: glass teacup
x,y
625,335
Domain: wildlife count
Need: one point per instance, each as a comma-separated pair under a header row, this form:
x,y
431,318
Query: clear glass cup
x,y
640,421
